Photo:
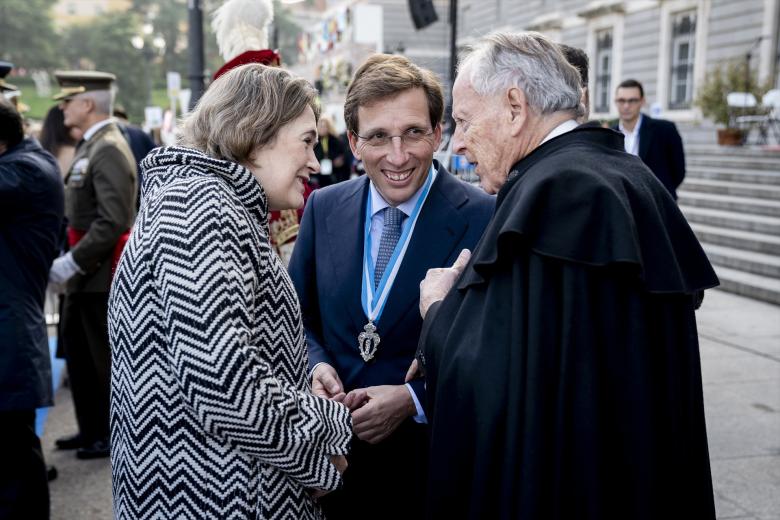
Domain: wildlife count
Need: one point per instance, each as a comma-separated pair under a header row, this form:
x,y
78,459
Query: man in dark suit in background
x,y
579,59
31,213
655,141
379,234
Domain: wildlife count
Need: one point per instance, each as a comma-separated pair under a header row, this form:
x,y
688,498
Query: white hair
x,y
528,61
103,100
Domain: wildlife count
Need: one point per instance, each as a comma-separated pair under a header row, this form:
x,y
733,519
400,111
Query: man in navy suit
x,y
363,248
655,141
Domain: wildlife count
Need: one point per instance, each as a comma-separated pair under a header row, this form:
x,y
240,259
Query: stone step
x,y
748,261
747,284
766,178
738,189
745,240
734,151
697,134
731,220
702,138
729,203
749,162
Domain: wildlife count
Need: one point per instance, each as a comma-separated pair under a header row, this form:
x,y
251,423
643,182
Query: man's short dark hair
x,y
579,59
11,127
383,76
632,83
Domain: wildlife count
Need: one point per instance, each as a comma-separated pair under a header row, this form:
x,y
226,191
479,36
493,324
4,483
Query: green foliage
x,y
719,82
28,39
27,36
105,45
287,32
169,19
213,59
170,23
39,106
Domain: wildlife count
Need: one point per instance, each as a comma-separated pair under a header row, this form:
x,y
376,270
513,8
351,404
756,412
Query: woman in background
x,y
331,153
58,139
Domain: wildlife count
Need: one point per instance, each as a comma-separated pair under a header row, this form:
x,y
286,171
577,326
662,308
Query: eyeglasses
x,y
630,101
410,137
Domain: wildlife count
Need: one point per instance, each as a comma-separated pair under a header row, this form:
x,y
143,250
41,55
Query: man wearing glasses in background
x,y
655,141
363,248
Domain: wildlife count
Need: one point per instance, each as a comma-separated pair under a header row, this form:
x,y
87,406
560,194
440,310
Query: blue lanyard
x,y
378,299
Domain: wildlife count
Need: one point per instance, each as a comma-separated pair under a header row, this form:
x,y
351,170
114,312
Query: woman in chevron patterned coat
x,y
211,414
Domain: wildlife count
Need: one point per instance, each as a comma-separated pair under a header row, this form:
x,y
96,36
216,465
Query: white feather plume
x,y
242,25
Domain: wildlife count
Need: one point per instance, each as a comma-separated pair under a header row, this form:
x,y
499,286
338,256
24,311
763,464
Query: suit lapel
x,y
645,136
439,229
344,227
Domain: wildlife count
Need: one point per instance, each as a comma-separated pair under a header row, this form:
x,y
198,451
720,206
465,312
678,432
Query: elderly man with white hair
x,y
562,367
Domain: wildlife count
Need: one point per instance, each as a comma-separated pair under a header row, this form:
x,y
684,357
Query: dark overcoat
x,y
31,212
563,370
661,149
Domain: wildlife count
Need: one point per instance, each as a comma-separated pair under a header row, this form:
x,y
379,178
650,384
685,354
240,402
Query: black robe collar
x,y
580,198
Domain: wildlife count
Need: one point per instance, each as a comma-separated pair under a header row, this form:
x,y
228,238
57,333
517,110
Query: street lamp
x,y
195,47
150,47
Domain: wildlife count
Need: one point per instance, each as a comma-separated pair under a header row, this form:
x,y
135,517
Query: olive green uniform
x,y
100,191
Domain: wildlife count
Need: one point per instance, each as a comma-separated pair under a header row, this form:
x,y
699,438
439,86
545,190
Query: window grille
x,y
682,49
603,70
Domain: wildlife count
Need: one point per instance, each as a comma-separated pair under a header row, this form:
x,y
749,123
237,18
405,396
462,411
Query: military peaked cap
x,y
5,68
74,82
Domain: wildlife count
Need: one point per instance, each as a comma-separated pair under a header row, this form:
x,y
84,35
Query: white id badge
x,y
326,167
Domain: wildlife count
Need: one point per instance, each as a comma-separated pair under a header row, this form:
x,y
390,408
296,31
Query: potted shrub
x,y
711,98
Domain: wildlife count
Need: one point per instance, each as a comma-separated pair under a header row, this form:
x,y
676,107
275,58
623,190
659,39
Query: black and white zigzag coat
x,y
211,410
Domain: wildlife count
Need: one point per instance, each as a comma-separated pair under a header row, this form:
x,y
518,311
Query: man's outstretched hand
x,y
414,371
439,281
325,383
378,410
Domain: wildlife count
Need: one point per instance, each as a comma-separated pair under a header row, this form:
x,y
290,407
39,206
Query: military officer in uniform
x,y
6,88
9,91
100,191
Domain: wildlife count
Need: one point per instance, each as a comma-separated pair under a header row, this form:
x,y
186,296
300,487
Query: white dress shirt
x,y
632,137
566,126
94,128
378,205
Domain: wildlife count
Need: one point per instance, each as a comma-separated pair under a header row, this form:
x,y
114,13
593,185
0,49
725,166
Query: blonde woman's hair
x,y
245,109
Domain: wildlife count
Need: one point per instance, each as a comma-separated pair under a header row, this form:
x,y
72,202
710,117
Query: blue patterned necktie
x,y
391,232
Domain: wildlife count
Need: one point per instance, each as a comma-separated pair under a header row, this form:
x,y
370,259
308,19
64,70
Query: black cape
x,y
563,372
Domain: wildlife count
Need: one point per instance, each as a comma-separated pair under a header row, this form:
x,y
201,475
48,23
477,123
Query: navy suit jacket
x,y
327,263
661,149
